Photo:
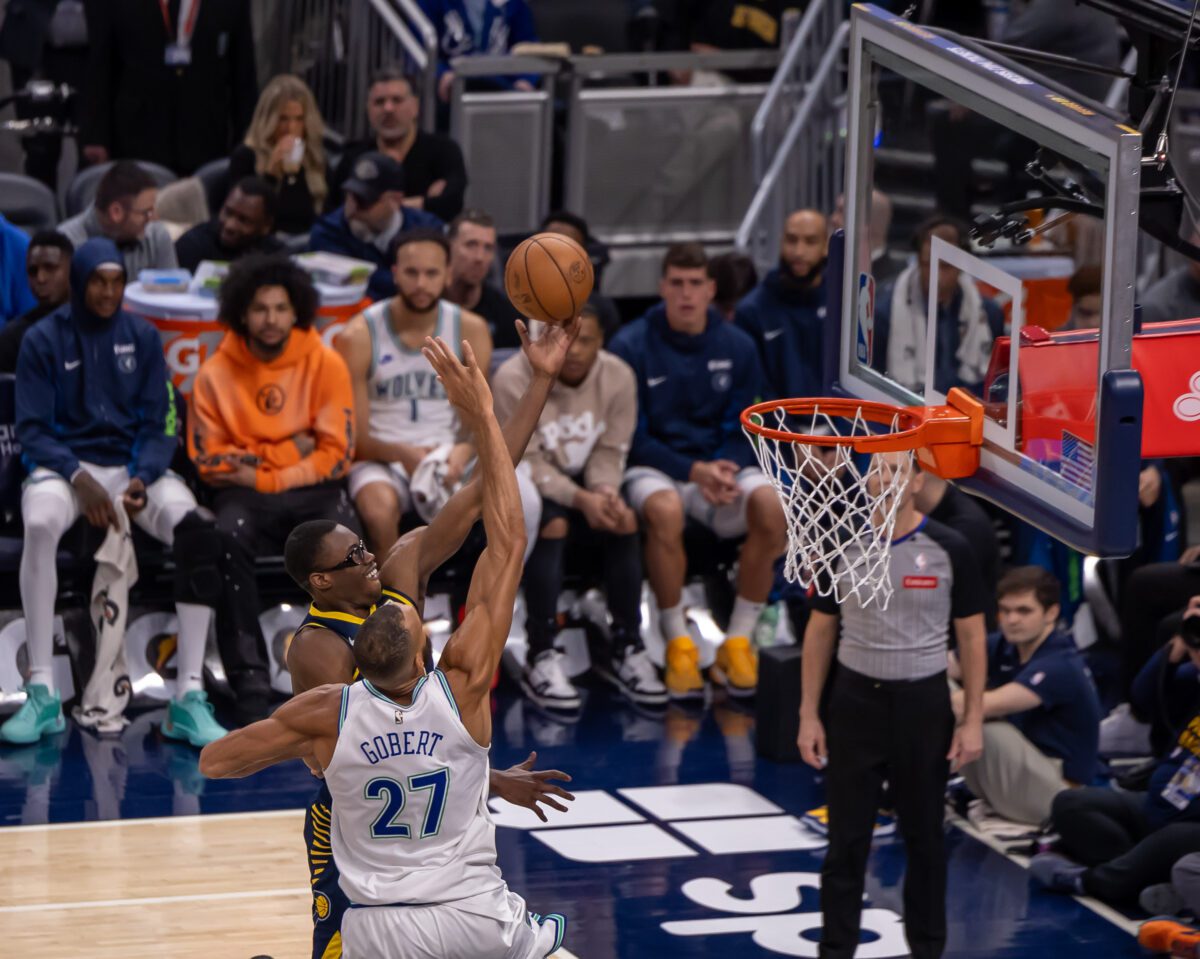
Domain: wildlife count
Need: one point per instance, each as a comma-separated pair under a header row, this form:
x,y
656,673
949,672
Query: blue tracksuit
x,y
788,326
331,234
95,389
505,23
16,298
691,391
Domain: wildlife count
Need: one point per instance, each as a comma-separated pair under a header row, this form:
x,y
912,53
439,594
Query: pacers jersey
x,y
407,403
409,785
346,624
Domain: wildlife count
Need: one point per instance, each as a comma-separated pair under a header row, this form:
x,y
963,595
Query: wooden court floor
x,y
231,886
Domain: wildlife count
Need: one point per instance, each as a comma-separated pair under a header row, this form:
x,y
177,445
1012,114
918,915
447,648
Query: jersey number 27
x,y
393,795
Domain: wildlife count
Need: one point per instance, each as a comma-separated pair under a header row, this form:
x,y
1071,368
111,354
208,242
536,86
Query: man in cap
x,y
372,216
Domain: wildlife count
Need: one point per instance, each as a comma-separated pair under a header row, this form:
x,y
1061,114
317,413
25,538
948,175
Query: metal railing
x,y
335,46
807,168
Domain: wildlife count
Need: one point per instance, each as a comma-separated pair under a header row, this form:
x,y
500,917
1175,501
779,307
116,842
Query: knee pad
x,y
199,550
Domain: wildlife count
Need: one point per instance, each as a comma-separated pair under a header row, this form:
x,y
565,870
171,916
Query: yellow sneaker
x,y
683,677
737,666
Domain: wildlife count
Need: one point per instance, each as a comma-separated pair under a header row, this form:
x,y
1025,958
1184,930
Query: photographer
x,y
1123,842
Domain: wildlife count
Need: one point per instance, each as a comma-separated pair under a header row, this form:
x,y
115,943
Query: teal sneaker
x,y
41,714
190,718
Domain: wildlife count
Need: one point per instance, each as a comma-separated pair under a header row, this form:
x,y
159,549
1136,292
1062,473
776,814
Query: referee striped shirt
x,y
935,580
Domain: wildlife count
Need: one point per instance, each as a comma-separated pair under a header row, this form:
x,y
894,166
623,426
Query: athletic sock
x,y
744,617
189,655
672,622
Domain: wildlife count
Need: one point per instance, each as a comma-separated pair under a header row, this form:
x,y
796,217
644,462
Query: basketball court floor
x,y
681,842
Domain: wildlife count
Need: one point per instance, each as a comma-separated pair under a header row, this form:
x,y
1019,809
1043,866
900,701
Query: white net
x,y
840,505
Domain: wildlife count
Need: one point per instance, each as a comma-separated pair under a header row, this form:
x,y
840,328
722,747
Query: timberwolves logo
x,y
722,381
160,654
366,170
321,906
127,363
270,399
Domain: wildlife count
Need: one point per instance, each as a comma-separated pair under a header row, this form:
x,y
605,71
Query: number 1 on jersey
x,y
392,792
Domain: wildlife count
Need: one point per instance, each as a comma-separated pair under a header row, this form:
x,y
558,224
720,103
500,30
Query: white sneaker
x,y
546,682
1121,734
638,679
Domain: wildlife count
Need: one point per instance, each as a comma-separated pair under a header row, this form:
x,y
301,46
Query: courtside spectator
x,y
967,321
1041,710
284,146
435,174
695,374
48,269
123,211
1166,691
885,264
472,238
1177,295
173,91
242,226
271,432
97,422
470,28
371,217
15,296
734,276
785,314
1086,298
401,411
578,456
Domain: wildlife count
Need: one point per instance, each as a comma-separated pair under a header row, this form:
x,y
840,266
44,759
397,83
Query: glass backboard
x,y
1061,447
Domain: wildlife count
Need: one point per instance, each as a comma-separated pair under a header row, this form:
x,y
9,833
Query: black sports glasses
x,y
356,557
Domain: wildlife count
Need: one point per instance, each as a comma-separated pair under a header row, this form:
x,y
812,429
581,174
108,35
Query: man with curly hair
x,y
272,432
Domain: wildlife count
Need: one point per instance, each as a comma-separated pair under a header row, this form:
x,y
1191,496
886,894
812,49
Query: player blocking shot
x,y
404,751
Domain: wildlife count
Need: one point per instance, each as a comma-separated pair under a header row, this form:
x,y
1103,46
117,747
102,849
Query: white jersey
x,y
410,817
407,403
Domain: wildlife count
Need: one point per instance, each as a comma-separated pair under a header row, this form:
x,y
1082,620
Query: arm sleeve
x,y
746,389
35,409
1048,680
453,169
606,465
645,449
208,437
968,596
333,425
158,429
98,100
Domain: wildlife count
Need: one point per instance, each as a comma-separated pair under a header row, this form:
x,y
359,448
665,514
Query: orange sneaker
x,y
683,677
1166,936
737,666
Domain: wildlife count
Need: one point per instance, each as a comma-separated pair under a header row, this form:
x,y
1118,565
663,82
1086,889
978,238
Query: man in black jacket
x,y
243,226
170,81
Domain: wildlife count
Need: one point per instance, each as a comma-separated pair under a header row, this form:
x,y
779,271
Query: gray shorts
x,y
728,521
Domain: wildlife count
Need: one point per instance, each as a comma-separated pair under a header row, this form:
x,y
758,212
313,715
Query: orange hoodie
x,y
241,405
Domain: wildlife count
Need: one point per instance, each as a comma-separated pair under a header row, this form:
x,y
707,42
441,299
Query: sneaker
x,y
1057,873
1168,936
1161,899
683,669
736,667
1122,734
190,718
546,682
818,821
637,677
41,713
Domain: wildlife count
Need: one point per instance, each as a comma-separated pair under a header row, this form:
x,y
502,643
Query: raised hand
x,y
521,785
465,385
547,353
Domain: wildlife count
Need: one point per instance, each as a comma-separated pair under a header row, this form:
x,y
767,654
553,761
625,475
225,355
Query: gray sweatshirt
x,y
154,251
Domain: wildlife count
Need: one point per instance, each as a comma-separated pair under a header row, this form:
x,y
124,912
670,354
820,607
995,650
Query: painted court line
x,y
155,900
153,820
1095,905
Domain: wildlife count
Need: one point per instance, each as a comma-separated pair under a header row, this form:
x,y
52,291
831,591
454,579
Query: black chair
x,y
82,190
215,177
27,203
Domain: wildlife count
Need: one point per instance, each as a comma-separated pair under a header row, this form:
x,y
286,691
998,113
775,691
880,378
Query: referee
x,y
890,719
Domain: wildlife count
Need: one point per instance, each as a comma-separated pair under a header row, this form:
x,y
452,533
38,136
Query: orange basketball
x,y
549,278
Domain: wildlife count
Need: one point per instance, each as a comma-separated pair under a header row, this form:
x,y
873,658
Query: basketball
x,y
549,278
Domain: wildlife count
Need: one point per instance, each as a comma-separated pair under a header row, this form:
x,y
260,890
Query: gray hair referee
x,y
890,718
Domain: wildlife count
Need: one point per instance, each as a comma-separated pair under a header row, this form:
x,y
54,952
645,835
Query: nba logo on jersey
x,y
866,318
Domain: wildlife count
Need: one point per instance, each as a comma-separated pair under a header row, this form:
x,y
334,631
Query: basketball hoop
x,y
841,509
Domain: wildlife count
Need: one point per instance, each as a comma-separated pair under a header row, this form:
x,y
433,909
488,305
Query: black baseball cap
x,y
373,175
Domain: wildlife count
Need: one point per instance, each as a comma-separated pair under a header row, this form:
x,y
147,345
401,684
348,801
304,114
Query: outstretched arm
x,y
304,727
473,652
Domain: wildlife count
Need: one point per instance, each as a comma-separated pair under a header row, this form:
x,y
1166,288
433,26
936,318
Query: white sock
x,y
673,623
193,636
744,617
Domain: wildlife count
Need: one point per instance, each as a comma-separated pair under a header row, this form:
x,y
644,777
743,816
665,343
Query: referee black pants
x,y
895,732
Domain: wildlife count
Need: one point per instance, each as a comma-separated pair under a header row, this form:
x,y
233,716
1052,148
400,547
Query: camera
x,y
1189,631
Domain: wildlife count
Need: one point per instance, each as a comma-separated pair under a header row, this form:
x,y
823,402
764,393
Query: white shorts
x,y
728,521
365,473
449,932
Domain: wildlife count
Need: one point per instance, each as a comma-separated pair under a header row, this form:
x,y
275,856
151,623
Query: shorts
x,y
449,931
728,521
365,473
329,902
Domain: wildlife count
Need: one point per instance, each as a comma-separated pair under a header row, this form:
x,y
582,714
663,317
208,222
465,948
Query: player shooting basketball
x,y
331,564
404,752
